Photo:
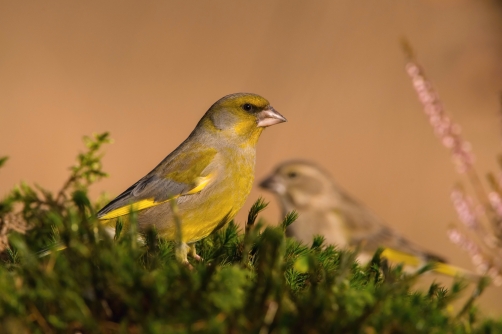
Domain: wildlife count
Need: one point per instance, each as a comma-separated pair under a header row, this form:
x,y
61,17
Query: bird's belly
x,y
200,214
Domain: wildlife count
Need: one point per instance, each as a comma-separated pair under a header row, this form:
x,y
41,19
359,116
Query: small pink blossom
x,y
464,207
465,243
481,262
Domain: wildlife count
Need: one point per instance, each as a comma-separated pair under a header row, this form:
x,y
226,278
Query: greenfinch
x,y
209,175
324,208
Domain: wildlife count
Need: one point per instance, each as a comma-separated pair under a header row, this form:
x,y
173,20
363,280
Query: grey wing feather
x,y
358,217
368,228
151,186
158,188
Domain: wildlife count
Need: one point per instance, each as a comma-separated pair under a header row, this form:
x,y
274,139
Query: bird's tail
x,y
435,258
439,267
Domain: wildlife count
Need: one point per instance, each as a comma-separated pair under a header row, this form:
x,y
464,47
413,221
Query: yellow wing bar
x,y
201,183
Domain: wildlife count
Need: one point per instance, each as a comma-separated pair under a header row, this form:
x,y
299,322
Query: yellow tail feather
x,y
439,267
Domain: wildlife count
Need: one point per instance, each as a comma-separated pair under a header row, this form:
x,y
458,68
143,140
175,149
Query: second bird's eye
x,y
291,175
247,107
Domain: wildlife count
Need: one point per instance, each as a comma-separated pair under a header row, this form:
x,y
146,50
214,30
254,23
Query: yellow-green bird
x,y
209,175
324,208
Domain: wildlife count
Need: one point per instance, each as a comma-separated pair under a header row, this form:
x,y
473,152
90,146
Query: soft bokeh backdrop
x,y
147,71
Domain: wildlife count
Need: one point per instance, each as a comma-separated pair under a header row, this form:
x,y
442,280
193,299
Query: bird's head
x,y
241,116
298,184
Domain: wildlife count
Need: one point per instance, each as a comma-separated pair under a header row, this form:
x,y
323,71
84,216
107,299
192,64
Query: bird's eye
x,y
247,107
292,175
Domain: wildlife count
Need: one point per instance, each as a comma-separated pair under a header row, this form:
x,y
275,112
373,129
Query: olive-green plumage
x,y
209,175
324,208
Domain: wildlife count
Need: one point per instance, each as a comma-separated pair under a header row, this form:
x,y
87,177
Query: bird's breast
x,y
218,203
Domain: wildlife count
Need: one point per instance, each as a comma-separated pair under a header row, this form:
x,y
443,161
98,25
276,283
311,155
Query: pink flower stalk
x,y
484,248
447,131
464,207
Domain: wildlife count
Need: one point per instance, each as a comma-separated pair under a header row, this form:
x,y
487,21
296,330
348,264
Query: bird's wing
x,y
367,229
181,173
358,219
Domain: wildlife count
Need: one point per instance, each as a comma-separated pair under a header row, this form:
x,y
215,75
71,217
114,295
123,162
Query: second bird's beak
x,y
269,116
272,184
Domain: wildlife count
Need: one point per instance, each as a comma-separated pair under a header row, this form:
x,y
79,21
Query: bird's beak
x,y
269,116
272,184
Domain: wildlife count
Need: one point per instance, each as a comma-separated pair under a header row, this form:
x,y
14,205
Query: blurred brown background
x,y
147,71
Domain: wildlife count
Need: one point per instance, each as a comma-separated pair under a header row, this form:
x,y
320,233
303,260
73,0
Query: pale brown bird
x,y
324,208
